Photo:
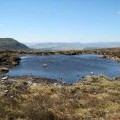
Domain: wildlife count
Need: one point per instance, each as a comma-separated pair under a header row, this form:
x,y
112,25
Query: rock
x,y
44,65
55,84
92,73
64,83
4,78
2,81
14,63
5,92
15,60
4,69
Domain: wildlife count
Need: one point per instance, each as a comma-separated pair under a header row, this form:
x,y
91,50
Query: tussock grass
x,y
94,98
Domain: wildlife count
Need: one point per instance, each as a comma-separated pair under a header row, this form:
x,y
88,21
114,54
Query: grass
x,y
95,98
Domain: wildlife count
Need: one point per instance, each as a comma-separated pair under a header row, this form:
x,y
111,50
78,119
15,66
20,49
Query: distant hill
x,y
11,44
56,46
74,46
99,45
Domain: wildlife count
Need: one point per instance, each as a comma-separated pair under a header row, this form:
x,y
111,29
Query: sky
x,y
60,20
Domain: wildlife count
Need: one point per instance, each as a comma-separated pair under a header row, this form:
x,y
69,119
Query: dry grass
x,y
95,98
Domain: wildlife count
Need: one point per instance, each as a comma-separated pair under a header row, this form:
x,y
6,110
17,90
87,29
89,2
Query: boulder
x,y
4,78
4,69
44,65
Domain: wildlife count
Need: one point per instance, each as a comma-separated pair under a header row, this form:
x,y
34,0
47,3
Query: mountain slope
x,y
11,44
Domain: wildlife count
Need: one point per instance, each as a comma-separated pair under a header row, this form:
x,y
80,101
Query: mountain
x,y
11,44
76,46
56,46
99,45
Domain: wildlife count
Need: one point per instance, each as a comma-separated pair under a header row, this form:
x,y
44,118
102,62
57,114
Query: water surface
x,y
64,67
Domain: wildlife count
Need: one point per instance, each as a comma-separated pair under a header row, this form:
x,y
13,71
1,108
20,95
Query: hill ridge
x,y
11,44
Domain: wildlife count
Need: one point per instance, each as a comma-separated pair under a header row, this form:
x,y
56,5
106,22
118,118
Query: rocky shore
x,y
11,58
8,60
109,53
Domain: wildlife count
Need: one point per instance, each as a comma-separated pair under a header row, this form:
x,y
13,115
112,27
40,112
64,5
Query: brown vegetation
x,y
95,98
9,58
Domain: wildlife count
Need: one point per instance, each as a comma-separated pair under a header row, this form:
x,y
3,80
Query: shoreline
x,y
49,81
109,53
14,57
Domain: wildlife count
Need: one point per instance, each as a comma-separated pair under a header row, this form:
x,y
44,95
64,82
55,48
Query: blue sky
x,y
60,20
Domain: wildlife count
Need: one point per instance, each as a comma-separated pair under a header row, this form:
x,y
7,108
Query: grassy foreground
x,y
94,98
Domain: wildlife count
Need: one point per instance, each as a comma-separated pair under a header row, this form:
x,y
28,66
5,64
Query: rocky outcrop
x,y
7,59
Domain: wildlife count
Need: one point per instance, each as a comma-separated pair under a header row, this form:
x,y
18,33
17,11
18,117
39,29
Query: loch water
x,y
65,68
